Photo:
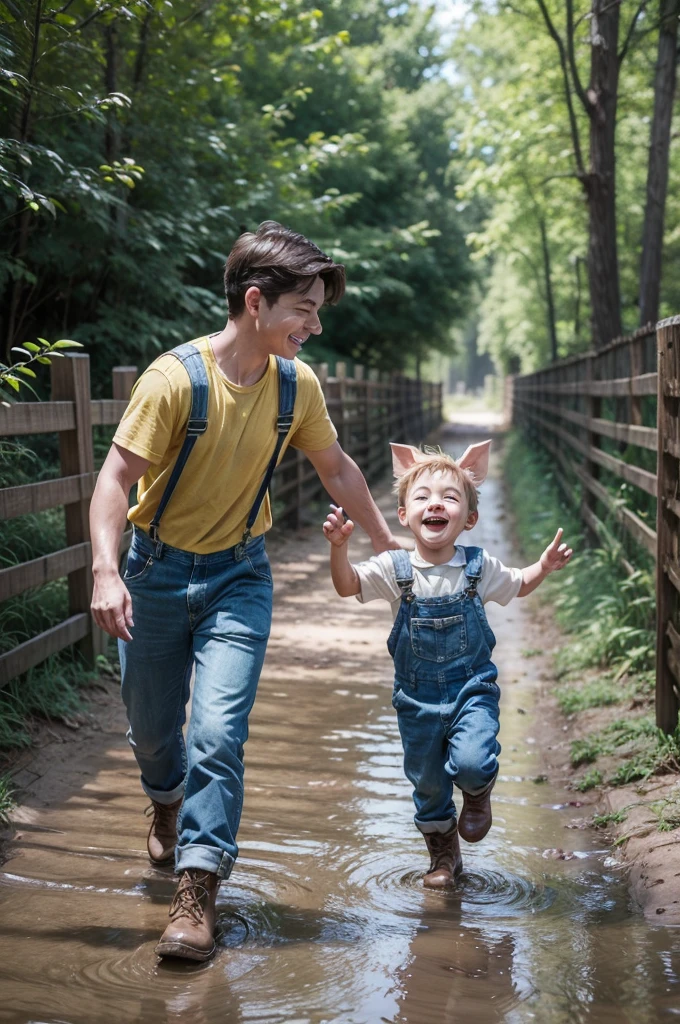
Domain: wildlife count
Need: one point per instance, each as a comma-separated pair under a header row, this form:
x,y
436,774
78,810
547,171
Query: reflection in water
x,y
325,919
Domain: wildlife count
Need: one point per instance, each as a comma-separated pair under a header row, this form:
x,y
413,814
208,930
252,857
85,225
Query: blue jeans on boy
x,y
212,611
445,693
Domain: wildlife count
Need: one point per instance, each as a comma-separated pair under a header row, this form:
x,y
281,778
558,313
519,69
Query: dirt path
x,y
324,918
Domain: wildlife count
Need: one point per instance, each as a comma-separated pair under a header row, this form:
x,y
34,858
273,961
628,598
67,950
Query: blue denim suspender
x,y
403,571
197,424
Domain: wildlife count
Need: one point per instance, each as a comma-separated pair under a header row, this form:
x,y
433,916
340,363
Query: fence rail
x,y
367,412
609,418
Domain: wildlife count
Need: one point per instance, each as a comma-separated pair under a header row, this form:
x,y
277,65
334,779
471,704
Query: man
x,y
197,591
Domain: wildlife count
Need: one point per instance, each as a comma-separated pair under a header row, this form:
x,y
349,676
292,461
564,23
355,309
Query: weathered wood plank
x,y
642,478
644,384
637,528
30,498
643,437
17,578
32,652
36,417
107,411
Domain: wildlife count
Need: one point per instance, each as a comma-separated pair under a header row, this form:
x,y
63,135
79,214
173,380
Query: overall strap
x,y
197,423
403,571
473,570
284,421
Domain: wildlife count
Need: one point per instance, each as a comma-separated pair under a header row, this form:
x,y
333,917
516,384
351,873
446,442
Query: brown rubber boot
x,y
191,932
475,818
162,837
446,862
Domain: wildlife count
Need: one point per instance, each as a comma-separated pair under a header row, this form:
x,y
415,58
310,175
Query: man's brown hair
x,y
277,260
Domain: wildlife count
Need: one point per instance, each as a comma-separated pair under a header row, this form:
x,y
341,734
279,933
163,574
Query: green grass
x,y
590,780
53,691
6,799
645,750
605,820
609,615
593,694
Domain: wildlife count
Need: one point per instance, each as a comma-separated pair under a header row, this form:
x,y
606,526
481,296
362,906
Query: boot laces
x,y
188,900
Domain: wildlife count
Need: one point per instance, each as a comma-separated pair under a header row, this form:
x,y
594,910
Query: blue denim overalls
x,y
212,613
445,692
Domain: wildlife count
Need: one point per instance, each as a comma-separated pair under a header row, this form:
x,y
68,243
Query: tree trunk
x,y
657,169
550,303
20,246
600,182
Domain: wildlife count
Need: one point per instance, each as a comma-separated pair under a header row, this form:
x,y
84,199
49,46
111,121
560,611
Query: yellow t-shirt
x,y
210,505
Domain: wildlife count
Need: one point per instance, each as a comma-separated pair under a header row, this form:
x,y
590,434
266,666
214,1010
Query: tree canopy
x,y
140,138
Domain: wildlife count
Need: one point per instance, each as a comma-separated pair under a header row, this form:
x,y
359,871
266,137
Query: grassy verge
x,y
608,661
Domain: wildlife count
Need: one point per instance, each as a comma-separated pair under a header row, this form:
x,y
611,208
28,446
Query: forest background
x,y
481,168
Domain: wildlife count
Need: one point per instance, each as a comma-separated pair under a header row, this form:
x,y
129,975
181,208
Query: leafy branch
x,y
43,353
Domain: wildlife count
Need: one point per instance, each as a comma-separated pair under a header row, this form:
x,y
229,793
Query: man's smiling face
x,y
436,510
286,326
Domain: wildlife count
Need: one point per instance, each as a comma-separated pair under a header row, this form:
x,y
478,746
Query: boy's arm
x,y
344,575
554,558
345,482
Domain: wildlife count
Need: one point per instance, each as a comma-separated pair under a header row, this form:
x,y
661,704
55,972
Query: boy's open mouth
x,y
298,341
435,521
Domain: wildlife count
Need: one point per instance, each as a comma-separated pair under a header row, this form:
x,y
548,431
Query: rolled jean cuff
x,y
164,796
428,827
204,858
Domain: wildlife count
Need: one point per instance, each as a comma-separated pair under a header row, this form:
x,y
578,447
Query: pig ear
x,y
403,457
475,460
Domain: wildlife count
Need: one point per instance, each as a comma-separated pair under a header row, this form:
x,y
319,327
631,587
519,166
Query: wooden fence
x,y
610,418
367,414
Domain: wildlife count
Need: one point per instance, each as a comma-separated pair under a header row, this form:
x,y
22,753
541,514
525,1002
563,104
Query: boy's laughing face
x,y
436,511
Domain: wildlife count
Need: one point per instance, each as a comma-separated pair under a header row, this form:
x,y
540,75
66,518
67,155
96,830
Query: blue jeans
x,y
448,732
212,612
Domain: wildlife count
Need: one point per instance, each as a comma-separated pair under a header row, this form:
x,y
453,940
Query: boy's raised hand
x,y
556,555
337,529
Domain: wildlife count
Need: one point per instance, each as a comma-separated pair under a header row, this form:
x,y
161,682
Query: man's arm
x,y
345,482
111,602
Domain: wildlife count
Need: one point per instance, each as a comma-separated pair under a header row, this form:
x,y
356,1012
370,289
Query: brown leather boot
x,y
162,837
475,818
446,862
191,932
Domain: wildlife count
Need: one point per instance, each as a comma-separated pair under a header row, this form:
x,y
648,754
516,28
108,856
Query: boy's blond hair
x,y
437,461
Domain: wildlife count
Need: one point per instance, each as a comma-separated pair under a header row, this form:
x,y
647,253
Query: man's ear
x,y
252,300
471,520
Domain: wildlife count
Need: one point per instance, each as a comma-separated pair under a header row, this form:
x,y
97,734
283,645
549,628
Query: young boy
x,y
445,690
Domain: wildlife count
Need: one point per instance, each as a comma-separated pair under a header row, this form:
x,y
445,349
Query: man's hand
x,y
337,528
556,555
112,605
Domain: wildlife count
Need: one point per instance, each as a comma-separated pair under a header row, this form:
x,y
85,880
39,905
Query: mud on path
x,y
324,918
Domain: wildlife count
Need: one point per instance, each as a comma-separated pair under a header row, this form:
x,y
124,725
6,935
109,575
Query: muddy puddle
x,y
324,918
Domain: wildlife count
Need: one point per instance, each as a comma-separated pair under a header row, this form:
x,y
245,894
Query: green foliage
x,y
612,818
609,615
522,172
648,750
6,799
588,781
51,691
148,135
13,377
593,694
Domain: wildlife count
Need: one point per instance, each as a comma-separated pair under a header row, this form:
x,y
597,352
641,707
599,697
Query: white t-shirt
x,y
378,579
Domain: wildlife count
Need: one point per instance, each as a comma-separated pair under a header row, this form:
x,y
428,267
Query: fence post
x,y
71,383
123,378
668,526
